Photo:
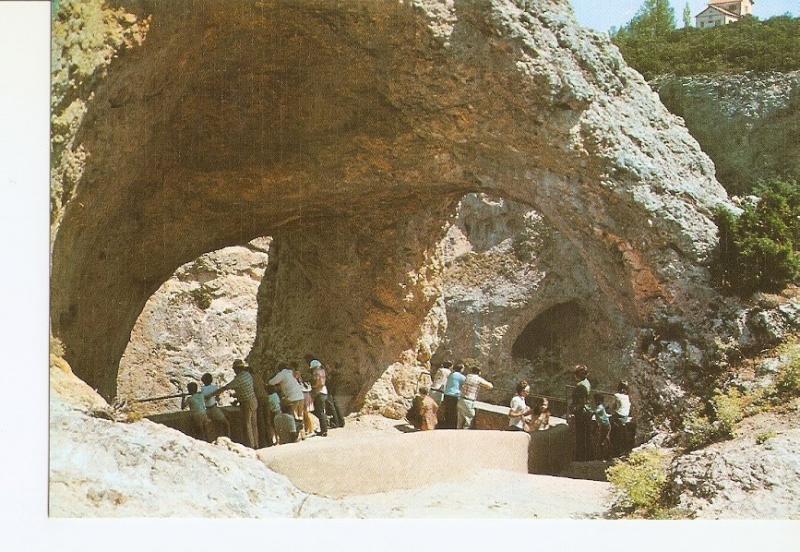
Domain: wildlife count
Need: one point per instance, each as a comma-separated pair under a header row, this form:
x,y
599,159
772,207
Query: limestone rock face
x,y
199,321
743,478
350,132
746,123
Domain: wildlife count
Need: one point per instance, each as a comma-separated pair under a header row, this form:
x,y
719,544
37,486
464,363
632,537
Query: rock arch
x,y
348,132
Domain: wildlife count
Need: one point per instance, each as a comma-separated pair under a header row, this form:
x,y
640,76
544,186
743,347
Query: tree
x,y
687,16
758,250
655,18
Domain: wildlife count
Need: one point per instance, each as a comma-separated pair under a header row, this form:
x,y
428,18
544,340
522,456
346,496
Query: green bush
x,y
787,384
730,409
762,438
641,481
202,297
757,250
726,410
698,431
748,45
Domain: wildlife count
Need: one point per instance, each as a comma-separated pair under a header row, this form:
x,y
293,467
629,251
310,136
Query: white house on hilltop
x,y
722,12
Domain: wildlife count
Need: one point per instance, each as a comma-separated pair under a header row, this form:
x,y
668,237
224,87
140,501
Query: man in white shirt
x,y
437,387
290,390
469,394
519,408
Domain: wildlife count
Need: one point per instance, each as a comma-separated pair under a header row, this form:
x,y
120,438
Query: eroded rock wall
x,y
358,294
747,123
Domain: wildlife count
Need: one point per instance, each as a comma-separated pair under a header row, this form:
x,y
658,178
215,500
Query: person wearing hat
x,y
242,385
319,392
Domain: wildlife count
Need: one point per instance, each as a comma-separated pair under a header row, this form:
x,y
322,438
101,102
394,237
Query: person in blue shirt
x,y
602,438
452,392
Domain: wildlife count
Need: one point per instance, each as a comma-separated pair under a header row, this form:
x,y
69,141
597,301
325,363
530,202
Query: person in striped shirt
x,y
242,384
469,394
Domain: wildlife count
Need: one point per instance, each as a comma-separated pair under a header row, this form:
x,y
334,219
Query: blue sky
x,y
603,14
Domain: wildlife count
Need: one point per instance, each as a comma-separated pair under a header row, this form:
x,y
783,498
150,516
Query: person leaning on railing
x,y
581,413
518,416
623,428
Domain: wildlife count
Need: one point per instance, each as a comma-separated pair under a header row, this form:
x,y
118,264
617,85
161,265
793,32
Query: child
x,y
285,427
197,410
540,414
214,412
603,428
273,409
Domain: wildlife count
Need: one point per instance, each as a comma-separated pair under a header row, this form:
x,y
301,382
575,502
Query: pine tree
x,y
687,16
654,19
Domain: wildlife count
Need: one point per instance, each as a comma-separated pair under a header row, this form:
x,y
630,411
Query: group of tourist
x,y
606,424
613,431
451,404
275,412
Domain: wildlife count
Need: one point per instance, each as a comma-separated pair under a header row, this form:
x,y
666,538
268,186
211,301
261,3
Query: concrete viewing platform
x,y
350,463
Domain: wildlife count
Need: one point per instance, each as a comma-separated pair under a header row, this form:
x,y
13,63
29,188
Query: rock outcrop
x,y
349,133
755,475
747,123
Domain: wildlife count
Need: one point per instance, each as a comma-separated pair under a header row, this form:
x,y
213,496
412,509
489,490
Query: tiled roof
x,y
717,8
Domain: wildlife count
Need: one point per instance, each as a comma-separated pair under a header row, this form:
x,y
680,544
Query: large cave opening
x,y
200,320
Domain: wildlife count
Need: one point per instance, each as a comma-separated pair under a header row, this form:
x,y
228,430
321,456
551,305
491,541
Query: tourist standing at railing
x,y
437,387
452,392
540,414
519,407
242,385
215,413
264,429
603,427
196,402
581,413
319,395
622,427
469,394
291,392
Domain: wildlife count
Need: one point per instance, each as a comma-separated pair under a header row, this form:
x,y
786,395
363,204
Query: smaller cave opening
x,y
562,336
546,340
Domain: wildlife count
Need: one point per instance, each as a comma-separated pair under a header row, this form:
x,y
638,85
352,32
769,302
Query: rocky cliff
x,y
224,139
747,123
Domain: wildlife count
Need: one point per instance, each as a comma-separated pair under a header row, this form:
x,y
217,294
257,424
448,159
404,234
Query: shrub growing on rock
x,y
641,481
757,250
787,384
726,409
